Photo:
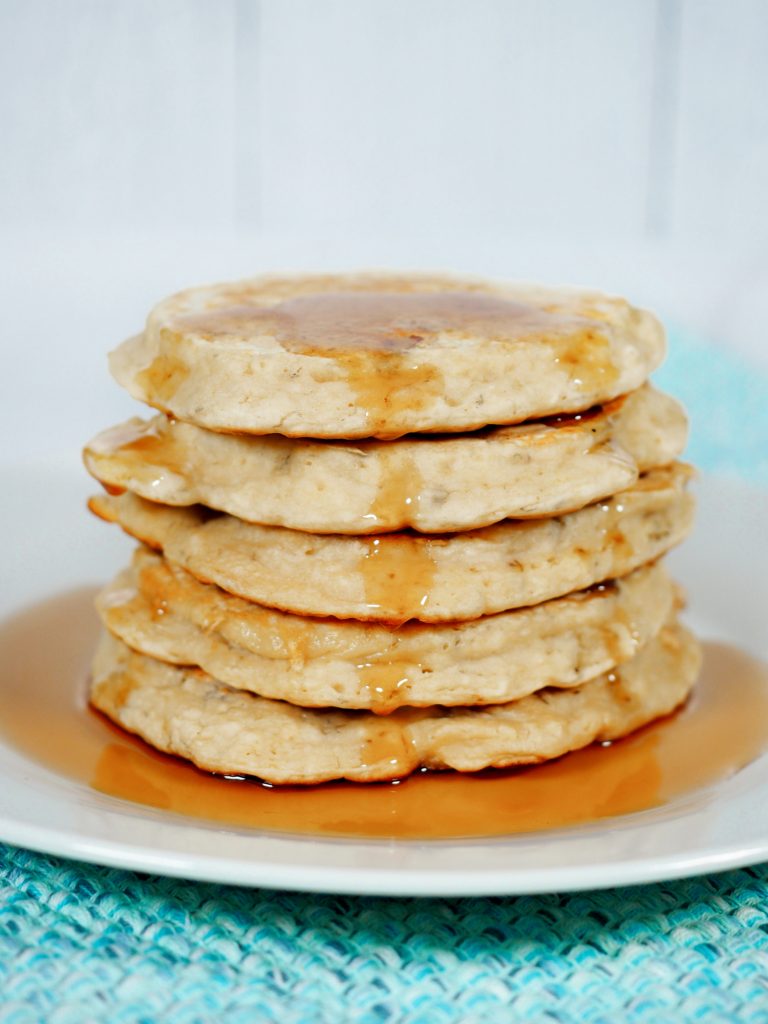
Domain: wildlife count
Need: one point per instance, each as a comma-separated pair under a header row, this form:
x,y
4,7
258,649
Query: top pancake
x,y
366,355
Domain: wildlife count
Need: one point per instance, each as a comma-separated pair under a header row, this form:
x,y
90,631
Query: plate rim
x,y
384,882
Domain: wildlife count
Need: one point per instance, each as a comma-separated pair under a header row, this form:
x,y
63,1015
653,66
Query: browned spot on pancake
x,y
618,541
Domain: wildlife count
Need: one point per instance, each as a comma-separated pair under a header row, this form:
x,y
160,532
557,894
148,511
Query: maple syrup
x,y
163,377
380,321
149,441
46,650
398,494
398,572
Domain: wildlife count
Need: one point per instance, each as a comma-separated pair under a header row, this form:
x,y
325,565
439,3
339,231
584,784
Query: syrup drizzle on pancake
x,y
399,489
398,572
163,377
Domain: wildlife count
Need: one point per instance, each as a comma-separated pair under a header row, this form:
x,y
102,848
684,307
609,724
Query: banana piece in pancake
x,y
376,355
186,712
164,612
400,576
432,485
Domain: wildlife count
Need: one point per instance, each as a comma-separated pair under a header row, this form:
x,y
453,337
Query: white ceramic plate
x,y
52,545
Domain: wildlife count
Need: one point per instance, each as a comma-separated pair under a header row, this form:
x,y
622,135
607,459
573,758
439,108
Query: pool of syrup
x,y
45,651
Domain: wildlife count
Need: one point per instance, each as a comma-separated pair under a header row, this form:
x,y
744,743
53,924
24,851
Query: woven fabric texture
x,y
80,943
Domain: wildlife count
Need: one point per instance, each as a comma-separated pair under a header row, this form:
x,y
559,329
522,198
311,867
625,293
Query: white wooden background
x,y
621,117
150,144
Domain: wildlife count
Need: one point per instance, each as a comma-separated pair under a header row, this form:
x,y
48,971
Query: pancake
x,y
433,485
402,576
374,355
186,712
164,612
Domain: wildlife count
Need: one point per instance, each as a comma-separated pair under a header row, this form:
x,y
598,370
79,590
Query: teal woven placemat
x,y
80,943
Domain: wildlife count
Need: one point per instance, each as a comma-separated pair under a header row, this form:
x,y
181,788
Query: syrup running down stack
x,y
389,522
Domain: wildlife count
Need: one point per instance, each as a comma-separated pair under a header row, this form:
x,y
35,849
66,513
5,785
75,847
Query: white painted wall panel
x,y
721,173
482,115
116,112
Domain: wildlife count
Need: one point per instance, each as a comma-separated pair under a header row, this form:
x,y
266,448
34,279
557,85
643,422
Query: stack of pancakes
x,y
391,522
